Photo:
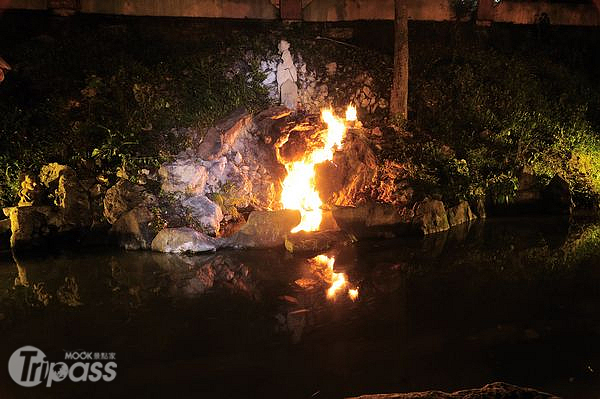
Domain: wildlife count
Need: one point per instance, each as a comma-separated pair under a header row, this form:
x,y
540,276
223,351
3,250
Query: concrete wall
x,y
24,4
350,10
256,9
335,10
530,12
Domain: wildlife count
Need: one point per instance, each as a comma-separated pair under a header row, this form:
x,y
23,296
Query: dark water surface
x,y
509,300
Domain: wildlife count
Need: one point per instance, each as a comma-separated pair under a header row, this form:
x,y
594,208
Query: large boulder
x,y
29,225
32,226
265,229
62,183
556,197
236,163
74,199
135,228
460,214
430,217
373,220
182,239
221,138
120,198
195,211
51,173
351,173
185,175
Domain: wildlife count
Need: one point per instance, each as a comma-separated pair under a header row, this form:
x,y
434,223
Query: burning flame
x,y
299,188
351,113
338,281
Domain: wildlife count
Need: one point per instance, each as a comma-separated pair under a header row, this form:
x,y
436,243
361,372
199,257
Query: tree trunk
x,y
399,95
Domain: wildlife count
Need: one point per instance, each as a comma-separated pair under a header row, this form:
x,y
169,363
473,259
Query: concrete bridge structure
x,y
518,12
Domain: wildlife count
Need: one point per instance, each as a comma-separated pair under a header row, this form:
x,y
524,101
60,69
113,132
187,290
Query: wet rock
x,y
496,390
29,225
183,175
220,138
265,229
182,239
430,217
134,229
314,241
460,214
556,197
373,220
120,198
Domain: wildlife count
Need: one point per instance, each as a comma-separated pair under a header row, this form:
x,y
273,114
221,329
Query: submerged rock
x,y
373,220
430,217
265,229
460,214
314,241
182,239
496,390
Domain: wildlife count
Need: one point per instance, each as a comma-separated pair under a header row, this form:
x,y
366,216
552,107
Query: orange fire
x,y
299,189
338,281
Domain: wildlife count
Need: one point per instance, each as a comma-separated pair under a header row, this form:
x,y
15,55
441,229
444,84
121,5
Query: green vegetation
x,y
481,113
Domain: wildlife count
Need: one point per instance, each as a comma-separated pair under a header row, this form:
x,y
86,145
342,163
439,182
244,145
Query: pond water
x,y
505,300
